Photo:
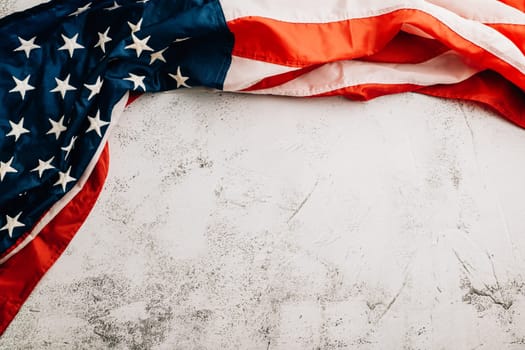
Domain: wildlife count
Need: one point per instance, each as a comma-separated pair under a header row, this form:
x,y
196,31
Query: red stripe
x,y
365,92
279,79
490,89
305,44
133,96
408,48
20,274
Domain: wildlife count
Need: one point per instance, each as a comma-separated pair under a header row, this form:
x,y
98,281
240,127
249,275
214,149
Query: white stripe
x,y
310,11
411,29
447,68
59,205
245,72
313,11
485,11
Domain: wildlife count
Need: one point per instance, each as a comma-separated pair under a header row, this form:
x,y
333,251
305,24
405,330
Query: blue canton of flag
x,y
62,76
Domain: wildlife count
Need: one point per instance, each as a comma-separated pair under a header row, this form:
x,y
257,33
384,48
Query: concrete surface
x,y
252,222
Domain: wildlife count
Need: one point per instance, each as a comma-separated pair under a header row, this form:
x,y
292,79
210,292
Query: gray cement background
x,y
252,222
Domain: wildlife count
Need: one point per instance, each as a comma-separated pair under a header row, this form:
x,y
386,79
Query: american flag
x,y
67,68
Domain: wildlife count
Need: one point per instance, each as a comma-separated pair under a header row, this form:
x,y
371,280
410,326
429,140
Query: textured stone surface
x,y
252,222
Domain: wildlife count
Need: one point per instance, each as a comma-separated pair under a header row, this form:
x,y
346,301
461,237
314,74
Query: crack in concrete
x,y
463,262
467,122
496,279
490,290
394,299
505,305
298,209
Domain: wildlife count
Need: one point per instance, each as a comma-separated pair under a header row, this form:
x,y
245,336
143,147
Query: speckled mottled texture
x,y
251,222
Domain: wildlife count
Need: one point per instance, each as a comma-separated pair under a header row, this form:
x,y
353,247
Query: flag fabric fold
x,y
67,67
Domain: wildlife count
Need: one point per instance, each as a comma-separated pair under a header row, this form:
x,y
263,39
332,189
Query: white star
x,y
135,27
142,1
138,81
43,166
103,38
139,45
95,124
6,168
181,80
63,86
22,86
64,178
56,127
158,56
69,148
81,9
11,224
114,7
94,88
17,129
27,45
70,44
